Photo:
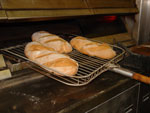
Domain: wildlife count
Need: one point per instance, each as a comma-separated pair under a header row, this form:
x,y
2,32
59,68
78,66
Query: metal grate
x,y
89,67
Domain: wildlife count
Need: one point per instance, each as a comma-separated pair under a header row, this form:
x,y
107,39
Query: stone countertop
x,y
49,96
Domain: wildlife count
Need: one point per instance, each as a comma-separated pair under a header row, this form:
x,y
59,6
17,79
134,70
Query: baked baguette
x,y
51,59
91,48
53,41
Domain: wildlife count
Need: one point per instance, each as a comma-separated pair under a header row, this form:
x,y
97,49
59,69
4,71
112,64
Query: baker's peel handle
x,y
141,78
133,75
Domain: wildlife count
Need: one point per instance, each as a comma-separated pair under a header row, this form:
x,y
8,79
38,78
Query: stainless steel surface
x,y
115,10
89,67
0,6
2,15
111,3
28,9
144,23
51,14
2,62
42,4
59,4
122,71
136,19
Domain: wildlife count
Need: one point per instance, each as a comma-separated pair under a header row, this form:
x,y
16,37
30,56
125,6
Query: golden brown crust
x,y
51,59
53,41
91,48
46,35
64,62
40,47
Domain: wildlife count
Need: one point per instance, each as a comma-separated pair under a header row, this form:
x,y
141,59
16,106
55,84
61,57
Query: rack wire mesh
x,y
89,67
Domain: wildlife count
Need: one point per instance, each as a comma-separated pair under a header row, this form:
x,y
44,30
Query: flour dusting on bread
x,y
91,48
52,41
51,59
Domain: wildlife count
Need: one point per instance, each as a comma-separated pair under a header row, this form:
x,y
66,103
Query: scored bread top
x,y
91,48
37,35
53,41
35,49
51,59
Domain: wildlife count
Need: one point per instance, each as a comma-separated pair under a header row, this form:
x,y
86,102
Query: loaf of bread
x,y
51,59
91,48
52,41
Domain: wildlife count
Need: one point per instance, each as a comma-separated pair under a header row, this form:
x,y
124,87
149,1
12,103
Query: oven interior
x,y
109,28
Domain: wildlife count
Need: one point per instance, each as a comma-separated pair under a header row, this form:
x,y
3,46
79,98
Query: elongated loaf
x,y
51,59
52,41
91,48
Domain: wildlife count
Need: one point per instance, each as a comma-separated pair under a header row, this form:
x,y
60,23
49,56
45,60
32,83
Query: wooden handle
x,y
141,78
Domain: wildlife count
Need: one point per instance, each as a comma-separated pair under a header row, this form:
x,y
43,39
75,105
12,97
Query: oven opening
x,y
19,32
90,26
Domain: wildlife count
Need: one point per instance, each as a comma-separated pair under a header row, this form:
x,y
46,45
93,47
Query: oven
x,y
27,88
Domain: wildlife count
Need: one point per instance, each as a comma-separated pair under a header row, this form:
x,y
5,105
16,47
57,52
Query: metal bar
x,y
89,59
122,71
